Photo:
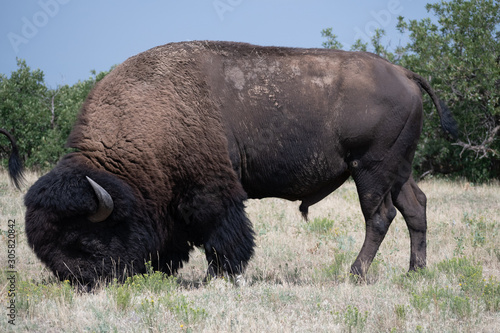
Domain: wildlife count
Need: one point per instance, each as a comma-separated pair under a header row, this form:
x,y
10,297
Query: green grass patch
x,y
165,296
439,299
30,293
338,270
352,318
468,274
320,226
467,290
479,228
491,295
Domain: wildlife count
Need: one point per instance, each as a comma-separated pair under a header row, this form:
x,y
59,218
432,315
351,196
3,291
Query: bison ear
x,y
105,203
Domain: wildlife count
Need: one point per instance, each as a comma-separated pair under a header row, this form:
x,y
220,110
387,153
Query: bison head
x,y
84,224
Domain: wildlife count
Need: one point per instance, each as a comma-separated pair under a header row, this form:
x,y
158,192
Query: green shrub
x,y
491,295
469,275
153,281
30,293
353,319
319,226
338,270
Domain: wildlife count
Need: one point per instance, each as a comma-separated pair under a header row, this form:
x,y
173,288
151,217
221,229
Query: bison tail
x,y
448,124
15,166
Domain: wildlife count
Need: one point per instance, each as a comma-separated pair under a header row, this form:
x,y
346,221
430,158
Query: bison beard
x,y
171,143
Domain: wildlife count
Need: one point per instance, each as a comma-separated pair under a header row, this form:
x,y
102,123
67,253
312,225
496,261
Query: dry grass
x,y
298,279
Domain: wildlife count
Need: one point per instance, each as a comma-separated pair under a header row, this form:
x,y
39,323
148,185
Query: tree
x,y
331,40
39,118
65,102
23,109
376,44
460,56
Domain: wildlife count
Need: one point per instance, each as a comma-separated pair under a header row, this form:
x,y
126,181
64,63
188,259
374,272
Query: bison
x,y
170,144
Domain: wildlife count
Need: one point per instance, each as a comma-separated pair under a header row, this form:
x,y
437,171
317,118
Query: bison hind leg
x,y
231,244
411,202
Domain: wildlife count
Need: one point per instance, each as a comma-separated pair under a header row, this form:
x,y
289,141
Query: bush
x,y
38,117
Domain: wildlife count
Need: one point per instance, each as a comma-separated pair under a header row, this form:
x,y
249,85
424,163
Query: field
x,y
298,280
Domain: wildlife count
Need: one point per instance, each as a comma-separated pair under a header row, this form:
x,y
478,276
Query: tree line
x,y
39,118
458,52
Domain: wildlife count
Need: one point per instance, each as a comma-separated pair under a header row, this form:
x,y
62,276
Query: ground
x,y
298,280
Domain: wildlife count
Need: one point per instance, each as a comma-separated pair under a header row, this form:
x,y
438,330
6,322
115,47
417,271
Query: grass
x,y
298,280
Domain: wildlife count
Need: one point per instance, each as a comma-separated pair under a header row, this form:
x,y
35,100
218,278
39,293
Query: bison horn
x,y
105,207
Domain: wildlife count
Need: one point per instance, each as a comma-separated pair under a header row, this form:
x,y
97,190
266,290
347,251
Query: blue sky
x,y
68,38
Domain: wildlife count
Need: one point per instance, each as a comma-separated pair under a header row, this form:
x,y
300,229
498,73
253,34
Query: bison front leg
x,y
231,244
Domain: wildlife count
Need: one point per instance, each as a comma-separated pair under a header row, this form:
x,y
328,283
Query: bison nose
x,y
105,203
